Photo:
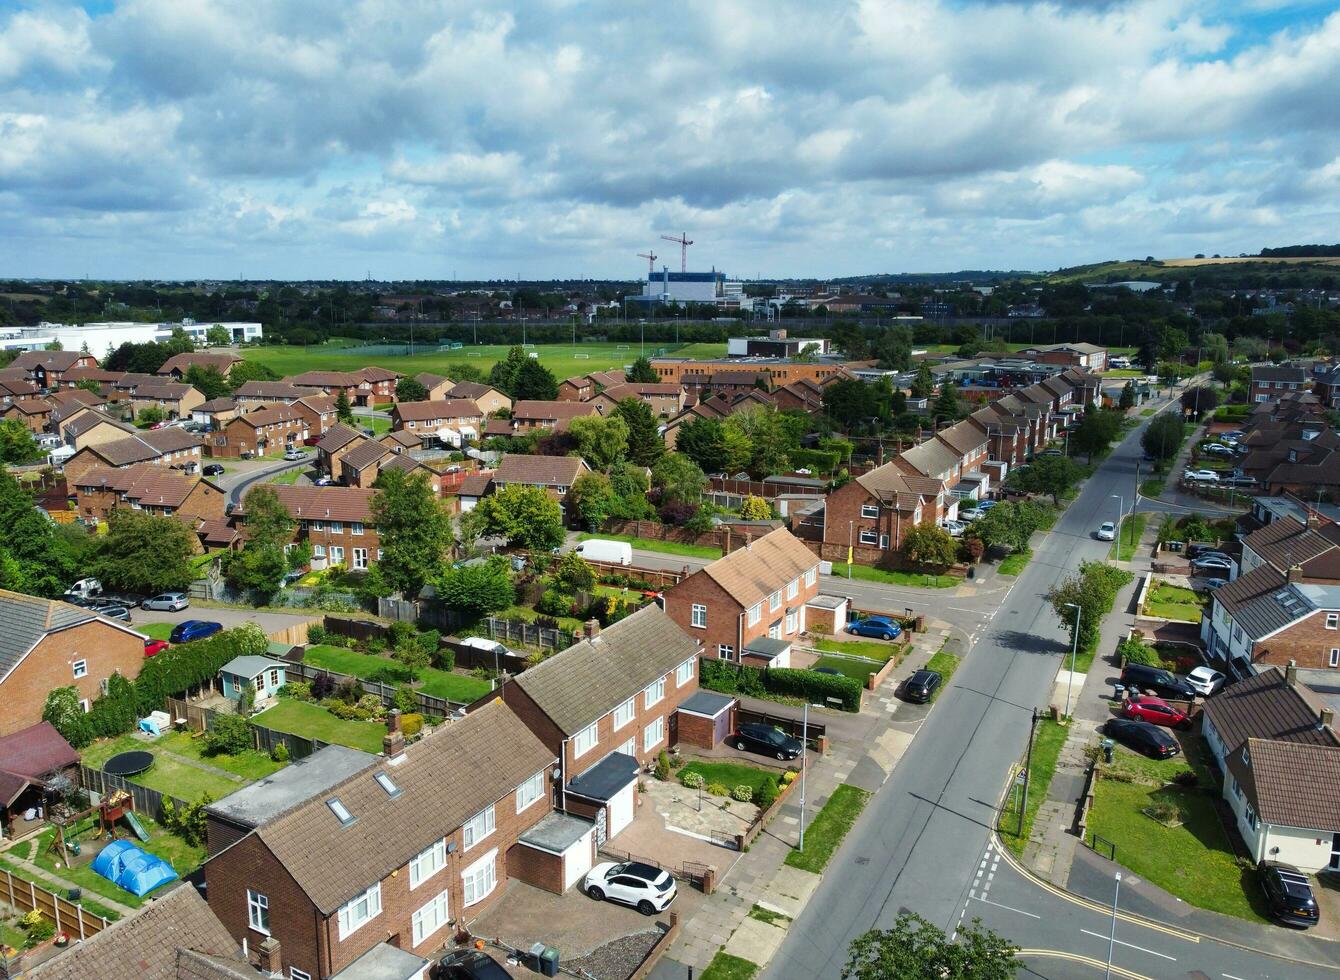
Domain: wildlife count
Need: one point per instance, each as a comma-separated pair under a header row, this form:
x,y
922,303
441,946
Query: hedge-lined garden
x,y
780,682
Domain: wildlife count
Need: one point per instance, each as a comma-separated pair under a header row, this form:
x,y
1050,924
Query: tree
x,y
32,559
261,564
769,438
923,385
601,441
573,573
947,403
1199,400
208,380
929,544
1048,474
410,390
343,410
631,485
503,374
849,402
412,655
1214,348
66,714
1163,436
1093,589
755,509
150,415
1009,525
89,385
914,949
17,445
703,441
590,499
645,445
535,381
218,336
526,516
679,479
145,553
415,530
1096,432
230,734
642,372
245,371
1127,396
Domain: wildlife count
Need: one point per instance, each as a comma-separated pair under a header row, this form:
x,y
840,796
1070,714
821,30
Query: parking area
x,y
271,622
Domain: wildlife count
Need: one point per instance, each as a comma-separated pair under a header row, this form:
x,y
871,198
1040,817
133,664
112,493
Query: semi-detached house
x,y
390,857
172,447
450,421
337,522
874,511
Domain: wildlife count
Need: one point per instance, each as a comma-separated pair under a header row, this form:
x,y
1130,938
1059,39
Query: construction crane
x,y
651,258
683,242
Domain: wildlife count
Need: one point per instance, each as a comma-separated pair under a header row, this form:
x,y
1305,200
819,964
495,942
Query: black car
x,y
1289,895
129,599
468,964
1147,739
765,740
921,686
1163,683
213,469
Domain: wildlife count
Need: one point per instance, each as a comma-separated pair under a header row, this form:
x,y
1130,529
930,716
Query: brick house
x,y
90,427
265,430
436,385
319,411
1313,546
337,441
556,474
527,416
171,447
175,399
366,386
66,403
665,400
801,395
584,387
1091,357
756,593
17,391
152,489
426,836
971,445
252,395
215,413
489,399
451,421
1007,435
177,365
46,368
46,644
34,413
1272,617
361,464
606,706
1271,381
103,379
873,512
336,521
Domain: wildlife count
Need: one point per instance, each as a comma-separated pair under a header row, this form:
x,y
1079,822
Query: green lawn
x,y
1195,861
433,682
287,479
702,352
1123,373
1046,750
916,579
155,631
167,775
251,765
945,663
870,649
665,547
829,828
724,966
729,774
1153,487
313,721
857,670
1147,412
376,423
1128,540
90,904
1014,563
1165,601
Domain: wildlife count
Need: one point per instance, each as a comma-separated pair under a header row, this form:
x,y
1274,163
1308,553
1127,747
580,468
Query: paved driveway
x,y
229,616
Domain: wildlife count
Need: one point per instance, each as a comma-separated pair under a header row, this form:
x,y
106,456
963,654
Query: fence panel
x,y
197,717
69,918
148,801
265,739
792,726
429,704
521,632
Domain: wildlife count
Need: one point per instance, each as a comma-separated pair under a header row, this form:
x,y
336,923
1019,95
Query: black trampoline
x,y
128,763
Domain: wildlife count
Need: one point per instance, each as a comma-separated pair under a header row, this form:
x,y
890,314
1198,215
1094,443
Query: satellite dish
x,y
451,847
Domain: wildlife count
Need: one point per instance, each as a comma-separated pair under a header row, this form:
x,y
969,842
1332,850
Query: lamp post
x,y
804,750
1074,649
1112,936
849,554
1121,512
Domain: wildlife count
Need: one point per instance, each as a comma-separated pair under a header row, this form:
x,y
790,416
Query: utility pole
x,y
804,751
1074,649
1028,765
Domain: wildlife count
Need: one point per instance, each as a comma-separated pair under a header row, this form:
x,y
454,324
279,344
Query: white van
x,y
614,552
85,588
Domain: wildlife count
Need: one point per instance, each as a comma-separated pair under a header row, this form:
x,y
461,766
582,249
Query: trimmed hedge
x,y
817,461
816,688
179,668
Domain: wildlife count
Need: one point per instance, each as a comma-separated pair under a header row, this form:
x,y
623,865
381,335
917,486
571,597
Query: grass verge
x,y
287,479
870,649
1046,750
313,721
769,916
1128,538
664,547
914,579
1013,564
730,774
155,631
1147,412
1153,486
829,828
724,966
945,663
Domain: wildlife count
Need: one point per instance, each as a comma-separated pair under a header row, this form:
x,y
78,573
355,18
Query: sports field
x,y
564,360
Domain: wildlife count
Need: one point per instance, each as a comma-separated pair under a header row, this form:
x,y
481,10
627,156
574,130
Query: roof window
x,y
340,810
384,781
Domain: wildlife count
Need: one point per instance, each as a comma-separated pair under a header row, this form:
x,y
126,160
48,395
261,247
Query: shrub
x,y
280,752
349,690
298,690
691,779
1188,778
555,602
376,645
38,929
411,724
663,766
371,706
1136,652
187,822
323,686
718,789
728,678
744,793
676,761
398,632
766,795
317,634
444,658
404,699
789,777
231,735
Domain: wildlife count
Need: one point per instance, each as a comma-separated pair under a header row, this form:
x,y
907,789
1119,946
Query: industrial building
x,y
100,339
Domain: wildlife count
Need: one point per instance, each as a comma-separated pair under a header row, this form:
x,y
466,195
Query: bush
x,y
663,766
298,690
375,646
444,658
555,602
317,634
690,779
404,699
231,735
411,724
187,822
766,795
1188,778
718,789
398,632
280,752
729,678
38,929
744,793
323,686
349,690
676,761
1134,651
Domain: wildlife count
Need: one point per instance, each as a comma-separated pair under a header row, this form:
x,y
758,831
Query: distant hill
x,y
1306,251
1245,271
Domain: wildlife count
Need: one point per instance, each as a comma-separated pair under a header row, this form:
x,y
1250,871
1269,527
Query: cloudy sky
x,y
432,138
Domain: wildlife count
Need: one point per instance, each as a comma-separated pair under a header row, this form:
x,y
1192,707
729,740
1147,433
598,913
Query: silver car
x,y
168,602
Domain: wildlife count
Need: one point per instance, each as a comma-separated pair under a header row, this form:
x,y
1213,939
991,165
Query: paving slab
x,y
755,941
791,888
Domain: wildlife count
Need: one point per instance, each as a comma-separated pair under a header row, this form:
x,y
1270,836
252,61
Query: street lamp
x,y
1112,936
1121,512
1074,650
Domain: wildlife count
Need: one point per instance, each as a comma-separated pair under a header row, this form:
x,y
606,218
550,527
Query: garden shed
x,y
265,675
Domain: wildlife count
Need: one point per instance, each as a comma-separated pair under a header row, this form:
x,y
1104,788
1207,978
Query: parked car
x,y
986,504
971,514
212,469
1215,565
1107,531
1200,550
1051,452
646,888
1201,476
1205,554
1156,711
153,648
194,629
113,611
1241,481
765,740
85,587
323,481
1206,680
468,964
955,528
1163,683
293,453
1143,737
880,627
921,686
1216,449
168,601
1289,895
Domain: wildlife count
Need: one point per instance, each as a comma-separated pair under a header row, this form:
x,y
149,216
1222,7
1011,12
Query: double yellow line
x,y
1054,954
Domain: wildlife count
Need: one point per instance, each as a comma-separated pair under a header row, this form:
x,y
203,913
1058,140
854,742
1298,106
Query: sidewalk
x,y
863,756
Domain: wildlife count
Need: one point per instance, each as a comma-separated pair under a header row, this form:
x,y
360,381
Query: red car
x,y
1156,711
154,647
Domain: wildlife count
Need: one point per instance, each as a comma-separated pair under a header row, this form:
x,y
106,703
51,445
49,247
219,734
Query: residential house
x,y
489,399
46,644
1275,742
366,386
92,426
361,464
171,446
402,441
874,511
472,490
1006,434
939,462
337,441
606,706
715,407
174,399
103,379
527,416
320,412
99,490
252,395
29,759
749,606
46,368
177,365
970,444
664,400
67,403
435,384
1271,617
450,422
215,413
34,413
17,391
586,386
556,474
801,395
1313,545
1091,357
336,522
265,430
426,837
1270,381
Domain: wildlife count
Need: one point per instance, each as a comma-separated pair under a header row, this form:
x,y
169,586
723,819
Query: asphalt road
x,y
236,484
919,844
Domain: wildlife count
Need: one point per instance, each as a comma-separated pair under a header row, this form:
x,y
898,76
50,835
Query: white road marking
x,y
1230,976
1007,908
1099,935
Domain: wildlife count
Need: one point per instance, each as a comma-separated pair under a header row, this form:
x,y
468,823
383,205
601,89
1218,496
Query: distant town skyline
x,y
410,140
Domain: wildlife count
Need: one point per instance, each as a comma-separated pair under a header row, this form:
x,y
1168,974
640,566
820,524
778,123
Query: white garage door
x,y
621,809
577,861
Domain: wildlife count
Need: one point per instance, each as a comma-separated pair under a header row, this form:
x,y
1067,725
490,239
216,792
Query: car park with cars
x,y
1142,678
1142,737
643,886
1217,449
765,740
879,627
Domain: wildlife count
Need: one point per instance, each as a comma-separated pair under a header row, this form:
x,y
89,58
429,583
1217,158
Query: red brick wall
x,y
50,665
538,868
345,539
723,614
1308,642
843,521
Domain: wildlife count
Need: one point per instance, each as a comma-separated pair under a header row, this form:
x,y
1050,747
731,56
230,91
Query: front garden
x,y
1165,601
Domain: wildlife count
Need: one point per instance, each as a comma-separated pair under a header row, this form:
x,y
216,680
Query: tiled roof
x,y
1288,542
750,574
963,437
52,360
168,391
1290,784
890,484
223,363
557,471
364,454
132,380
444,780
1282,372
930,458
635,390
268,415
80,424
25,619
32,406
1267,706
321,404
75,398
217,405
555,410
475,485
593,676
170,439
280,390
405,464
75,375
374,373
216,532
431,381
472,390
325,503
402,437
28,756
144,446
337,437
450,408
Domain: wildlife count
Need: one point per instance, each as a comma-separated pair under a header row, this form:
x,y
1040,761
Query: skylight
x,y
384,781
340,810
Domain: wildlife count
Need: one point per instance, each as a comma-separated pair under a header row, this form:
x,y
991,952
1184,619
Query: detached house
x,y
749,606
47,368
382,863
177,365
489,399
872,513
1272,381
435,384
556,474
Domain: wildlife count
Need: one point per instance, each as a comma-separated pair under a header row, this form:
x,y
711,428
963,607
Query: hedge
x,y
179,668
815,460
816,688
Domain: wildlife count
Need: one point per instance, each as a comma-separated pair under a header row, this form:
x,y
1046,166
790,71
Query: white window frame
x,y
657,729
318,551
478,827
775,630
585,740
725,651
356,527
1335,657
684,672
337,554
336,527
80,668
793,588
811,577
296,974
870,511
529,792
439,908
258,911
483,870
654,693
351,919
1333,621
625,713
698,616
775,601
755,613
359,558
868,536
792,622
427,863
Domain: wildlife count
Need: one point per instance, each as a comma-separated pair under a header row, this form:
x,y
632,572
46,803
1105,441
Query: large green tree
x,y
923,385
477,590
601,440
703,441
929,544
1010,524
32,559
679,479
503,374
914,949
208,380
947,404
642,372
261,564
245,371
526,516
645,445
17,445
1163,436
145,553
218,336
343,410
1047,474
849,402
410,390
591,500
769,436
535,381
415,531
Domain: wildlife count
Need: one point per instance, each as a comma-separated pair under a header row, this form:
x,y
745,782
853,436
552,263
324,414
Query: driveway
x,y
229,616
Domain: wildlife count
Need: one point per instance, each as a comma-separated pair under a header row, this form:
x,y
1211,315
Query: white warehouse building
x,y
101,339
689,287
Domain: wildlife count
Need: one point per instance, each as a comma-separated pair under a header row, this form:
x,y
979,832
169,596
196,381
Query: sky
x,y
403,139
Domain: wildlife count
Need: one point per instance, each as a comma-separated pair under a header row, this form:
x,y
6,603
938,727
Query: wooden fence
x,y
200,718
147,801
73,920
792,726
521,632
439,707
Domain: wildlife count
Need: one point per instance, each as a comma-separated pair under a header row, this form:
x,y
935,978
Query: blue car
x,y
194,629
986,504
880,627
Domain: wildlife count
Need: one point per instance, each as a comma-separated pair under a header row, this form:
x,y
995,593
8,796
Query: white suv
x,y
648,889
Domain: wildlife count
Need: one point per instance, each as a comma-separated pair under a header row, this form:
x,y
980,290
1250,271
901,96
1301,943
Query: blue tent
x,y
133,869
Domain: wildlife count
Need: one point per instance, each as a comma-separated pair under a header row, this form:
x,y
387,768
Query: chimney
x,y
592,628
393,742
1327,718
268,959
1291,673
1294,574
1313,518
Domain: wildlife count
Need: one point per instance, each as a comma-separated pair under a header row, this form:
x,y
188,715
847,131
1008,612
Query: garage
x,y
705,719
607,792
621,809
555,854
